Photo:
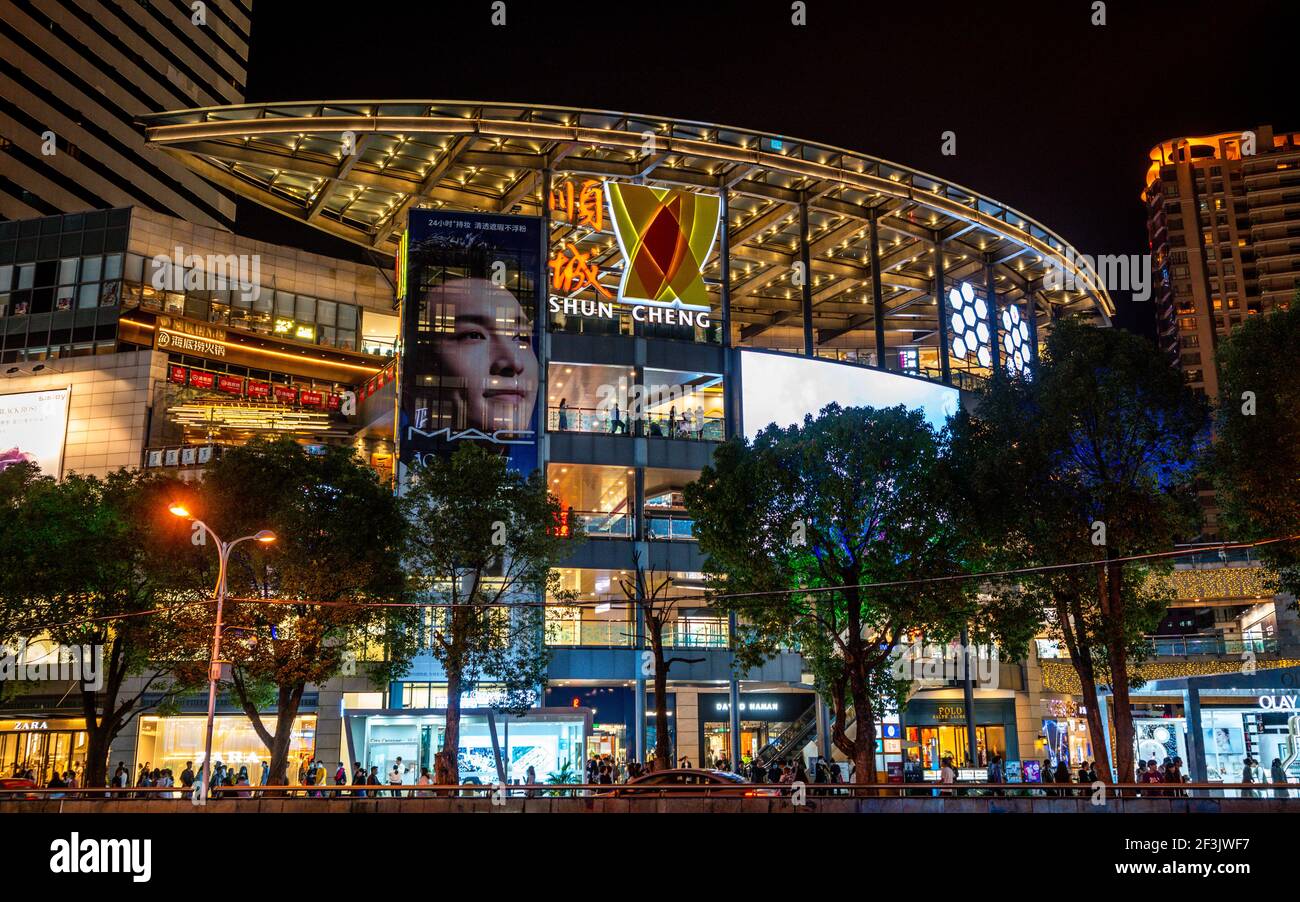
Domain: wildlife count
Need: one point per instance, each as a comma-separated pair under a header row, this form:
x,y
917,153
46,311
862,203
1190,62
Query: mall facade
x,y
633,291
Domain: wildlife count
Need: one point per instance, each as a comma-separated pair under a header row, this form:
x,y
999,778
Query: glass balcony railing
x,y
670,527
1190,646
591,420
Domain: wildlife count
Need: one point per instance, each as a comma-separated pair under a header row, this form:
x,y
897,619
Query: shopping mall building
x,y
645,288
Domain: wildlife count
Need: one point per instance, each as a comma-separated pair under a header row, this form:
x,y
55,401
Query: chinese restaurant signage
x,y
187,336
252,388
664,235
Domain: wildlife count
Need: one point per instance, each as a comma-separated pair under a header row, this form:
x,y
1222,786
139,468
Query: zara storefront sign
x,y
664,236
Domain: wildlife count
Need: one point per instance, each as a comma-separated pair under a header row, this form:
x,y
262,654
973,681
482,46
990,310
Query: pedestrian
x,y
1248,775
120,776
426,779
1278,775
359,779
672,421
266,773
564,414
187,775
616,421
699,421
1063,776
995,773
800,771
1045,775
242,780
395,779
947,775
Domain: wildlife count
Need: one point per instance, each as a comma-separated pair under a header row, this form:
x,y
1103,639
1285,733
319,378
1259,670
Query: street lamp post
x,y
264,536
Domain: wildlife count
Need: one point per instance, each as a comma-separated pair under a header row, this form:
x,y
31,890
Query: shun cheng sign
x,y
665,237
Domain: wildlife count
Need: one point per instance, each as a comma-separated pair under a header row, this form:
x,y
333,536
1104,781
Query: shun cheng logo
x,y
103,856
666,237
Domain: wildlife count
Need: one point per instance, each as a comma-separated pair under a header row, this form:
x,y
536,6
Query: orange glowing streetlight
x,y
265,536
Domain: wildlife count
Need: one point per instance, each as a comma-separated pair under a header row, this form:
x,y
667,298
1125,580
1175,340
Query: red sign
x,y
232,384
199,379
335,401
176,374
310,398
259,389
285,394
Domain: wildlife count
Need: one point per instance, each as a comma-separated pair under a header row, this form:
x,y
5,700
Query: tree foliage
x,y
482,551
803,518
311,605
82,562
1093,460
1255,462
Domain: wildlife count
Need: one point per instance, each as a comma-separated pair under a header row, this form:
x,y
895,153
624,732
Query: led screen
x,y
782,389
33,426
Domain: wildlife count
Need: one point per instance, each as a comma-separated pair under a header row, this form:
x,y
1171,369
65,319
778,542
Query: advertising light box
x,y
33,426
782,389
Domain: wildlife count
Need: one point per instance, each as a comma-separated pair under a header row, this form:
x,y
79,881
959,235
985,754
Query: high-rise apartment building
x,y
1223,214
75,75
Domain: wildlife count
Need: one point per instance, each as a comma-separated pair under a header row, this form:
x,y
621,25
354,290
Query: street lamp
x,y
264,536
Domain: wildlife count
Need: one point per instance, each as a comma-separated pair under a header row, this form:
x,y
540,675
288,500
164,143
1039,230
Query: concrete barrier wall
x,y
664,806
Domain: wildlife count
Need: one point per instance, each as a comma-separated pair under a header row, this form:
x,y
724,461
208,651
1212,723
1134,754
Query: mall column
x,y
877,293
968,696
991,295
733,698
805,292
1195,738
941,311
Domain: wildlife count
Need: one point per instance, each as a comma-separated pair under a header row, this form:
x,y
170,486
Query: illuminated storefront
x,y
937,729
764,718
172,742
494,746
45,746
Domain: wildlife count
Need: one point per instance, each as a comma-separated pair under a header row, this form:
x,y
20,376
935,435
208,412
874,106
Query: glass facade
x,y
60,285
493,746
170,742
44,747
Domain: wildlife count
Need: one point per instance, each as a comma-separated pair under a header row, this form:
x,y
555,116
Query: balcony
x,y
591,420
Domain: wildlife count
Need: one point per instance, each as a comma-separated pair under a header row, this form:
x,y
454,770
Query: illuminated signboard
x,y
782,389
33,426
665,237
189,337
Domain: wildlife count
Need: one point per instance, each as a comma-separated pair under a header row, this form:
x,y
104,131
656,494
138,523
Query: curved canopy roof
x,y
454,155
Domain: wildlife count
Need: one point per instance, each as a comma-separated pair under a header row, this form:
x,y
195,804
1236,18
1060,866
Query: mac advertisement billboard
x,y
33,426
782,389
470,371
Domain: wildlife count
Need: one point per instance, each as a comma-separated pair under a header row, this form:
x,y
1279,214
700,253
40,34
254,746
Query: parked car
x,y
654,783
8,785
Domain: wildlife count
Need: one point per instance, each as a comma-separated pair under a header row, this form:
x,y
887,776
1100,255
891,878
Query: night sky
x,y
1053,115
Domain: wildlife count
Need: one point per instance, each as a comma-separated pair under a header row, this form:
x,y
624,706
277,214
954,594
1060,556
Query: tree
x,y
650,595
1094,459
81,566
309,606
1255,462
803,518
483,546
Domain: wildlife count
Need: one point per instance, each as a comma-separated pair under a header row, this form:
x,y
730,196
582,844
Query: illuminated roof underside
x,y
471,156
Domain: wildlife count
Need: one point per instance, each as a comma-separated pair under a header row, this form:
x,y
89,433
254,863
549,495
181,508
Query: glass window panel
x,y
346,339
113,266
63,297
284,304
26,275
91,267
68,271
6,277
88,296
325,312
347,316
305,309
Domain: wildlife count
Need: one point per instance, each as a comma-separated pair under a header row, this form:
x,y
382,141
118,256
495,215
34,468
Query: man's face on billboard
x,y
486,355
